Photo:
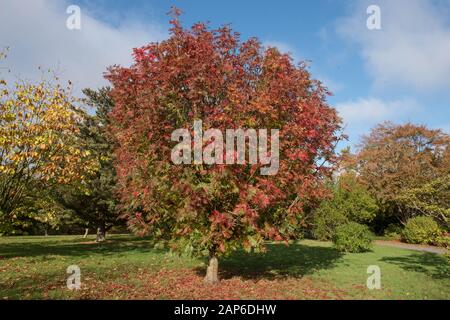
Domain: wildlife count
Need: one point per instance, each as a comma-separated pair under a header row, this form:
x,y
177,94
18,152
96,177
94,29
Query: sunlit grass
x,y
35,268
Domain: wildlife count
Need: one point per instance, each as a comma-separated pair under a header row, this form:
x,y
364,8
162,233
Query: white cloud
x,y
37,35
411,50
374,110
364,113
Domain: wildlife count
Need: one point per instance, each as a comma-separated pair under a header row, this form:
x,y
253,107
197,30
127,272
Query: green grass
x,y
130,267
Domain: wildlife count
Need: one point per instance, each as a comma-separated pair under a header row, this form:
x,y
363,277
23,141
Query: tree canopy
x,y
213,76
39,146
95,203
404,164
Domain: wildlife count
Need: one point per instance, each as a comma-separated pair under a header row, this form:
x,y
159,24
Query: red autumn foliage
x,y
227,83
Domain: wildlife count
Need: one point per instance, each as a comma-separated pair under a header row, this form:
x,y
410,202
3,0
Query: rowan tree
x,y
398,162
213,76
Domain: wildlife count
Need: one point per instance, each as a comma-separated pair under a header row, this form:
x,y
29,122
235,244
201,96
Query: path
x,y
417,247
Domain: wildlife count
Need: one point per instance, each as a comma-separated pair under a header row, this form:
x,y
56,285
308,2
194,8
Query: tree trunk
x,y
46,231
212,270
86,233
101,233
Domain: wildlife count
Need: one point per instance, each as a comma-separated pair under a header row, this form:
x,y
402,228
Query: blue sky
x,y
398,73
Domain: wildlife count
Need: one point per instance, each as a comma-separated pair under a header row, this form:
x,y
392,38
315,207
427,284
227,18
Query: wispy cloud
x,y
37,35
412,48
361,114
373,109
284,47
332,85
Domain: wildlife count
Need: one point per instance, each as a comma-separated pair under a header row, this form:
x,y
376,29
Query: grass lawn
x,y
127,267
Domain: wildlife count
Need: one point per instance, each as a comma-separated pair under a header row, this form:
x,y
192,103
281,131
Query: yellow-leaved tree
x,y
39,142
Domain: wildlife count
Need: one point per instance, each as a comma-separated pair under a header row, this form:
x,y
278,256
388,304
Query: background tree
x,y
350,202
38,213
94,203
39,144
430,199
395,160
211,75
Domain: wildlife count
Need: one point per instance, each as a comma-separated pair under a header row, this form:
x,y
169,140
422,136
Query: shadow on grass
x,y
429,263
81,247
295,260
280,261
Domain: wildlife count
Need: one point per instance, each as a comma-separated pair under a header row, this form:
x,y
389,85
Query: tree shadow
x,y
81,247
431,264
280,261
